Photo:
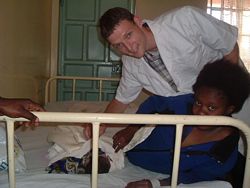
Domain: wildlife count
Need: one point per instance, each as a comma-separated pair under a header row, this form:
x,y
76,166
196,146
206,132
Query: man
x,y
164,56
20,108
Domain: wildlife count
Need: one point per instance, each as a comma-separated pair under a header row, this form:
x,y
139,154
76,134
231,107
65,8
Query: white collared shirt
x,y
187,39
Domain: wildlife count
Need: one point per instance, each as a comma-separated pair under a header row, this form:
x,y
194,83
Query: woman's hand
x,y
124,136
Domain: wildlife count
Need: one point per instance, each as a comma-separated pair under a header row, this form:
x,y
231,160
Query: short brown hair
x,y
111,18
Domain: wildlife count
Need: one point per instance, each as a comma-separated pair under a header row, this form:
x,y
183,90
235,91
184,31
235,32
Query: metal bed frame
x,y
74,79
97,118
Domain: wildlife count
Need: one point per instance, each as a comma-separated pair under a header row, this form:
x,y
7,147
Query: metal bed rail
x,y
74,79
97,118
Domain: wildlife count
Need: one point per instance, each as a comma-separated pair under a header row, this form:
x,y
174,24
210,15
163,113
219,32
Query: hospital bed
x,y
35,145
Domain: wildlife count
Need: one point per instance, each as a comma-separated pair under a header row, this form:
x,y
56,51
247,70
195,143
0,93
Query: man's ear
x,y
138,21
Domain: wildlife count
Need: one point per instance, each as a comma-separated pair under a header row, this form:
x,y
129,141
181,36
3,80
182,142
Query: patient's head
x,y
103,162
221,88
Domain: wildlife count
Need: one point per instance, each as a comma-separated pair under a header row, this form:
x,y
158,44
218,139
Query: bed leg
x,y
11,154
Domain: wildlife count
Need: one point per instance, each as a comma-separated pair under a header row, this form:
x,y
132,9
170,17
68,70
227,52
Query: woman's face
x,y
211,101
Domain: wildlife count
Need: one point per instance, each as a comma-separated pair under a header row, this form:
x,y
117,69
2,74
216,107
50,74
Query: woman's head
x,y
211,101
221,88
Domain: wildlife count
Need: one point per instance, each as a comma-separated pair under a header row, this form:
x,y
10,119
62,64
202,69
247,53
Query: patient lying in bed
x,y
70,147
73,165
71,153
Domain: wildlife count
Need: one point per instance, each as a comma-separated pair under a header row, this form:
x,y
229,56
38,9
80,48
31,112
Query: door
x,y
81,50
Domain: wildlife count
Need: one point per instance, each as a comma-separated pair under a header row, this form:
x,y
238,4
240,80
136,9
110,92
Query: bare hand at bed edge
x,y
87,131
124,136
20,108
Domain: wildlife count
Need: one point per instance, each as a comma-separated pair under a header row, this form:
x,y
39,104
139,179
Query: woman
x,y
208,152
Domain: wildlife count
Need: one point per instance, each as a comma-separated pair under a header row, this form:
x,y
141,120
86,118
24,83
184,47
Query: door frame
x,y
54,37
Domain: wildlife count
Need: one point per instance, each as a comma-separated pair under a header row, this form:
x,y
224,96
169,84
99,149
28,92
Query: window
x,y
237,13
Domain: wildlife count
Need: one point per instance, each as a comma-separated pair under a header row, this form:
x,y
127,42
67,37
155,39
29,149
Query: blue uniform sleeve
x,y
166,105
148,106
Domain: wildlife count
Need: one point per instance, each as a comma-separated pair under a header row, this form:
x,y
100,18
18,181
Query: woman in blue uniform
x,y
208,152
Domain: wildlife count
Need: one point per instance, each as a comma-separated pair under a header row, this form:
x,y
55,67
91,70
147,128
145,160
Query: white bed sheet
x,y
35,145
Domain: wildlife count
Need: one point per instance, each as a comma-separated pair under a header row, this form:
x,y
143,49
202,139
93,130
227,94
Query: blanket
x,y
68,141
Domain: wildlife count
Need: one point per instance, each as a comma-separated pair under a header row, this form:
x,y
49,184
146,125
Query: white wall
x,y
244,114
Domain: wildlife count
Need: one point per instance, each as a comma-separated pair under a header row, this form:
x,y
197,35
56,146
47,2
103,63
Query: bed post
x,y
94,178
174,180
11,154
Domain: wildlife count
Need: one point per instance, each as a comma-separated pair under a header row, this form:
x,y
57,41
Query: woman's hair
x,y
232,79
111,18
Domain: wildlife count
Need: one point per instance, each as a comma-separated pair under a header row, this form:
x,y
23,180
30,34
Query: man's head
x,y
111,18
124,31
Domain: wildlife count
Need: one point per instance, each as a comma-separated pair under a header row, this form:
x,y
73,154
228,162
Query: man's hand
x,y
124,136
87,131
20,108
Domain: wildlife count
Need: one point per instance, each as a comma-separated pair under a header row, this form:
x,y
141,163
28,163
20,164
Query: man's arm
x,y
114,106
233,56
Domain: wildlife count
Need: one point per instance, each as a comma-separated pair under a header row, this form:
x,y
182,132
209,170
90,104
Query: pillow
x,y
20,164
